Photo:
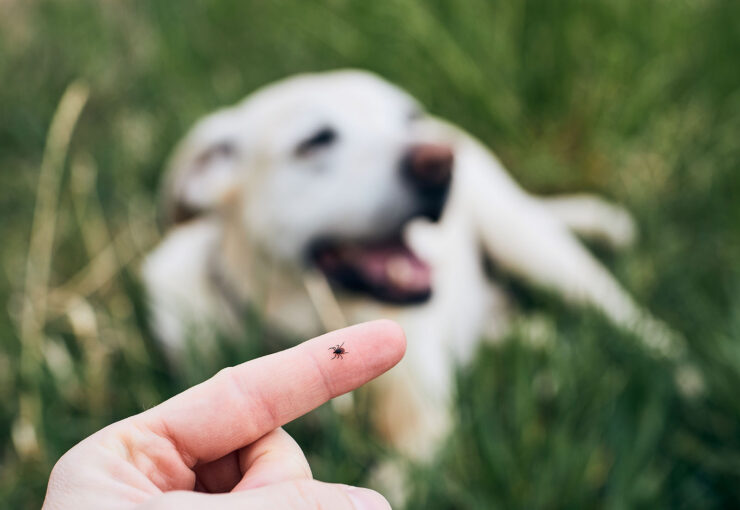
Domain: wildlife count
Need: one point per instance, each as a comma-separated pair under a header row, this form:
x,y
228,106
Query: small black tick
x,y
338,351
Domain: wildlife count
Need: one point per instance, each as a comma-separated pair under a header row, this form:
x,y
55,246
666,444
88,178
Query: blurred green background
x,y
636,99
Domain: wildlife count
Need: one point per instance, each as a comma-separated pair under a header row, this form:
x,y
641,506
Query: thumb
x,y
294,494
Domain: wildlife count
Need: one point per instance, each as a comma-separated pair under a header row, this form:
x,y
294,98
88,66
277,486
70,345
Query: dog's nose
x,y
429,166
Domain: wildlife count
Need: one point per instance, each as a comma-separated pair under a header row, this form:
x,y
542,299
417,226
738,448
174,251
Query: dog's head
x,y
321,169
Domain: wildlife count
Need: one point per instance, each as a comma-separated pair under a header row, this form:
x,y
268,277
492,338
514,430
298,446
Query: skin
x,y
220,444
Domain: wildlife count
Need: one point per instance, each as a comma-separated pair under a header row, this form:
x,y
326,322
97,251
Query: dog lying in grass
x,y
329,199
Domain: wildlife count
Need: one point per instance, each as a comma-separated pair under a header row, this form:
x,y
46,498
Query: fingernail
x,y
365,499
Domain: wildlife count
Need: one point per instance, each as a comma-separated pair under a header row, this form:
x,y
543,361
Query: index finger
x,y
242,403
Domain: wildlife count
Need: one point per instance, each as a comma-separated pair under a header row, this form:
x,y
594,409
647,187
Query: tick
x,y
338,351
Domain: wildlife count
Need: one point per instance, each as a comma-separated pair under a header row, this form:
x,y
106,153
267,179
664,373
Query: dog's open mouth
x,y
387,270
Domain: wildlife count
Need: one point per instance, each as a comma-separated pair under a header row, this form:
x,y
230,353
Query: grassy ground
x,y
635,99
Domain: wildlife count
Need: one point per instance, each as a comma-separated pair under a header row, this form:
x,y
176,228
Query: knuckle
x,y
252,402
230,380
225,374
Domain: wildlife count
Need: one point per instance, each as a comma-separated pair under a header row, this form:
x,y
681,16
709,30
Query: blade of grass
x,y
38,262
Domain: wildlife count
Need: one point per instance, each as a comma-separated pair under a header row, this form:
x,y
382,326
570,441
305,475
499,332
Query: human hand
x,y
219,444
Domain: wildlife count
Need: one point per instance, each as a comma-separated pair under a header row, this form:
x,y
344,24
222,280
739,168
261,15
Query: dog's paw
x,y
592,217
620,231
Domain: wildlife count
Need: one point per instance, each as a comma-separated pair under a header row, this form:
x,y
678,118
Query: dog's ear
x,y
203,174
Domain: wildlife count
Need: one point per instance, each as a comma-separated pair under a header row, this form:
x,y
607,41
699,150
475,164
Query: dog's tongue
x,y
395,266
388,270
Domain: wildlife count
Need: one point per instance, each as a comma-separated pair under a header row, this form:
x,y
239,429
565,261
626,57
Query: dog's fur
x,y
253,189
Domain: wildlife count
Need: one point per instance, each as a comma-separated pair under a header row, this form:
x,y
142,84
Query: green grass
x,y
636,99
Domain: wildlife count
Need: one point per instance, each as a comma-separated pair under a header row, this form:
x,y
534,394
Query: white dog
x,y
329,199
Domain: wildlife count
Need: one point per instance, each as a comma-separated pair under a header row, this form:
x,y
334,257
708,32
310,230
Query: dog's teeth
x,y
400,271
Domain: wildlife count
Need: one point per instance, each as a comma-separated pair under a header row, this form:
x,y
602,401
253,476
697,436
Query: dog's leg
x,y
592,217
411,411
523,237
188,315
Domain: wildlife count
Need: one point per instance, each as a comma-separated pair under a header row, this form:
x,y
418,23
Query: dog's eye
x,y
220,150
415,114
322,138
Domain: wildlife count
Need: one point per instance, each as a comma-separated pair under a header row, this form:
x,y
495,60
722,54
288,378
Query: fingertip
x,y
387,339
394,335
365,499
